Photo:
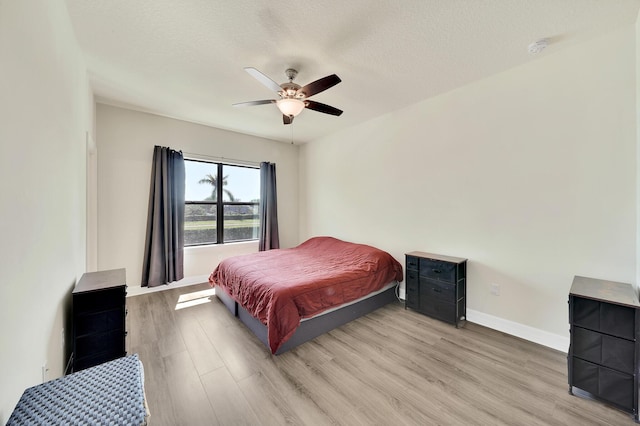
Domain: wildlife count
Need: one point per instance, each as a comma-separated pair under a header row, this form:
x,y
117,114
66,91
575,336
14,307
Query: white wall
x,y
530,174
125,140
637,93
46,108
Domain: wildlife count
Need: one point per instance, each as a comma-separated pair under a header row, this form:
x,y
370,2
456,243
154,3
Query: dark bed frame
x,y
312,327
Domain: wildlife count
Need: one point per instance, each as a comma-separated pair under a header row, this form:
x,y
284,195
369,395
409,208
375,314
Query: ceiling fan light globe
x,y
290,107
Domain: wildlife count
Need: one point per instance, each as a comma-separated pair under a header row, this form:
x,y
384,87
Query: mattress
x,y
344,305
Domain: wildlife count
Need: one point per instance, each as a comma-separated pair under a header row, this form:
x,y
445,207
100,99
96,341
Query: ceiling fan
x,y
293,97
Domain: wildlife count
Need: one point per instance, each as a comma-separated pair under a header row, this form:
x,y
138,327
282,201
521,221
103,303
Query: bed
x,y
289,296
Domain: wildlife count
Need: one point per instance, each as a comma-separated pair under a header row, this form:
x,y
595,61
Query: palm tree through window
x,y
213,181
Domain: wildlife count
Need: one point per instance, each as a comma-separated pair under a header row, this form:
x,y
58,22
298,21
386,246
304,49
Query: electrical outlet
x,y
495,289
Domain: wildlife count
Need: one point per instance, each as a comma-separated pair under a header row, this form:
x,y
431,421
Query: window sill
x,y
221,246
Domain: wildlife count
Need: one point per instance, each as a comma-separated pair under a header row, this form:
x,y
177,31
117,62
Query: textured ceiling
x,y
185,58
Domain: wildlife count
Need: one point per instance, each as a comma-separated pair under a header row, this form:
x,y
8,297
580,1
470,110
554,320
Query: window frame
x,y
220,203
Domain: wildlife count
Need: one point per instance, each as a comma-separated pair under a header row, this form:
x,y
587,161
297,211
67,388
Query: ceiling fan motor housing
x,y
291,90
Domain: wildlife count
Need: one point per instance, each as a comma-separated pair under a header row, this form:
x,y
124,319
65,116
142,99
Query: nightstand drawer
x,y
93,360
604,317
93,301
100,322
612,352
111,341
438,270
603,382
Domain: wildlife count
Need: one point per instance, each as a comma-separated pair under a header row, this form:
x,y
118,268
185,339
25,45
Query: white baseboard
x,y
531,334
541,337
186,281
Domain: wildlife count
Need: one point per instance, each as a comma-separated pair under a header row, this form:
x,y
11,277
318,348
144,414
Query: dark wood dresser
x,y
603,351
99,311
436,286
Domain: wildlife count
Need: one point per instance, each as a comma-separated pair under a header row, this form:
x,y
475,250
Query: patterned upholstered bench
x,y
107,394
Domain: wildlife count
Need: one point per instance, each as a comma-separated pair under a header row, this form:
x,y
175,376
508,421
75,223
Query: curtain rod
x,y
232,161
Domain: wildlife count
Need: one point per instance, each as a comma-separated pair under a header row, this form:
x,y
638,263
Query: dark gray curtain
x,y
268,208
164,246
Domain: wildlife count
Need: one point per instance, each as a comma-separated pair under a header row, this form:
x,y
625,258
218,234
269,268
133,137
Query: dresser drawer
x,y
90,361
438,270
603,382
585,375
616,387
604,317
412,290
100,322
411,277
412,263
437,290
438,309
109,342
612,352
93,301
412,300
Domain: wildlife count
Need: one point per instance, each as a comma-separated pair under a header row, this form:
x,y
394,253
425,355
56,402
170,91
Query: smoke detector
x,y
538,46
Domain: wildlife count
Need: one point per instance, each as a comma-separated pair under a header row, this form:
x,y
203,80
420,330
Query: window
x,y
217,214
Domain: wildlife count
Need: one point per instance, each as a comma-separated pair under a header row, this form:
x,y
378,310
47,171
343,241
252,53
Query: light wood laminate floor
x,y
391,367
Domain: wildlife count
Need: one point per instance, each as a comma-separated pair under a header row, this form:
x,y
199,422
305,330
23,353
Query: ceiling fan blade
x,y
263,79
250,103
319,85
327,109
287,119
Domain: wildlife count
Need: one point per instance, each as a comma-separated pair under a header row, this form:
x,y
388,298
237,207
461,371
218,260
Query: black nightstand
x,y
99,310
604,319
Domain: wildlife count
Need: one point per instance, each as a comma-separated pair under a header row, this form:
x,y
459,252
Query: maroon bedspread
x,y
280,287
